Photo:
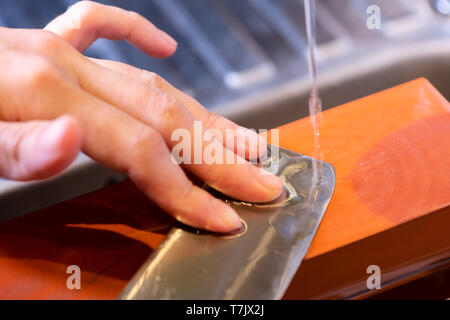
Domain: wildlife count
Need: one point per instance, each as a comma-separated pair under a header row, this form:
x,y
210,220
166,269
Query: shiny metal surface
x,y
257,263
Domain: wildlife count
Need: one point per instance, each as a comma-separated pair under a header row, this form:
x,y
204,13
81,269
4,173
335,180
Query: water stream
x,y
315,105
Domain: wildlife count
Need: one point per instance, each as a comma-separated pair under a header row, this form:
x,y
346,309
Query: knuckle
x,y
135,20
83,14
179,198
83,8
134,16
166,106
152,79
40,72
212,120
145,138
144,144
46,42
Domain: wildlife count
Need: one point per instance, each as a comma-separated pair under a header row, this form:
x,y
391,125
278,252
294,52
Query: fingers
x,y
121,142
39,89
166,114
248,145
86,21
38,149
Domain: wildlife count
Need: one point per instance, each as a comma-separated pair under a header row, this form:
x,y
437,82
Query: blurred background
x,y
246,60
233,49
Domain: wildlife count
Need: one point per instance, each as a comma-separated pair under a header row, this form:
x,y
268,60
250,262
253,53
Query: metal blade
x,y
257,262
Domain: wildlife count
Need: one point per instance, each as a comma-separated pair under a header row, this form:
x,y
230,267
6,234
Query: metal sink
x,y
346,82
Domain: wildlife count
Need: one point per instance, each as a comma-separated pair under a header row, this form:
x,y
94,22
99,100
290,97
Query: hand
x,y
54,101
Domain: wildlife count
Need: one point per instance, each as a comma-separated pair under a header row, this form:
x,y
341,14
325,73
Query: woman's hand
x,y
54,101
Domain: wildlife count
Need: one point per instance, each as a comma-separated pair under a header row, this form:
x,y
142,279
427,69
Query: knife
x,y
256,262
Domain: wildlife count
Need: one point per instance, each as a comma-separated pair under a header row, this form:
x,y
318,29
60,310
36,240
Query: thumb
x,y
38,149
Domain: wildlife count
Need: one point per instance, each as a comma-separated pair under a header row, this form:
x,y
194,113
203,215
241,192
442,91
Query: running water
x,y
315,105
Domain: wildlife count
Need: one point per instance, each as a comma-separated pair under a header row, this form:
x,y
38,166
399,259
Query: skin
x,y
54,102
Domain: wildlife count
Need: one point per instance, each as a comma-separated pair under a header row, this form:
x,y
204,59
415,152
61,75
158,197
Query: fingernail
x,y
226,219
171,41
270,181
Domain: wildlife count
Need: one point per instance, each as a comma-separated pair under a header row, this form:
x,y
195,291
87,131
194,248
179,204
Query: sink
x,y
342,84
